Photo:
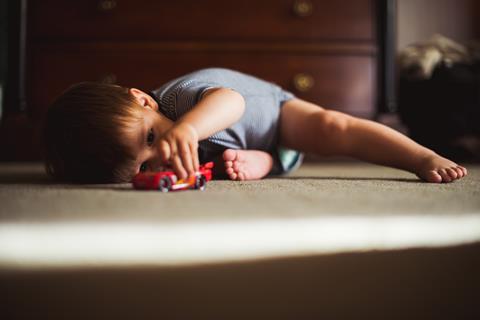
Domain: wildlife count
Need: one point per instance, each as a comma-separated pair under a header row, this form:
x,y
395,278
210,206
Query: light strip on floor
x,y
86,244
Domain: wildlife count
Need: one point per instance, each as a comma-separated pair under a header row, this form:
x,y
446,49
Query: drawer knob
x,y
303,8
303,82
107,5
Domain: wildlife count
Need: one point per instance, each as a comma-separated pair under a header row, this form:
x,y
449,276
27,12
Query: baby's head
x,y
85,131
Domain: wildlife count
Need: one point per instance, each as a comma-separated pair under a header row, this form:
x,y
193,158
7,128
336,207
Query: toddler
x,y
251,128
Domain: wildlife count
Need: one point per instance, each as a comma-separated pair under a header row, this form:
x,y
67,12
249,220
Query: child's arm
x,y
218,109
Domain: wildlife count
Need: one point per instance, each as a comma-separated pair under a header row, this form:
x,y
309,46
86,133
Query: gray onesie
x,y
257,129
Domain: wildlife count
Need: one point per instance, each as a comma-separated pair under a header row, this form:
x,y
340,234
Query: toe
x,y
228,164
237,166
229,155
233,176
433,176
459,172
452,173
445,176
229,171
465,172
241,176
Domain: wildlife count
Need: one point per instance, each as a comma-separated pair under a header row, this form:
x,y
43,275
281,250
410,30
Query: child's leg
x,y
309,128
247,164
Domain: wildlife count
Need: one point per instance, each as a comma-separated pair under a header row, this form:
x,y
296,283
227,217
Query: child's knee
x,y
330,123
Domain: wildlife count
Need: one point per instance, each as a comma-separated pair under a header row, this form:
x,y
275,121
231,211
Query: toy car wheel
x,y
165,184
201,182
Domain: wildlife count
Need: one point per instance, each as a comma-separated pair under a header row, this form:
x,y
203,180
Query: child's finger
x,y
178,167
176,161
165,151
186,157
194,152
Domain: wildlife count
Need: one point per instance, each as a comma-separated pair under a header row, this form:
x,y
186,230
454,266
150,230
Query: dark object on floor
x,y
443,112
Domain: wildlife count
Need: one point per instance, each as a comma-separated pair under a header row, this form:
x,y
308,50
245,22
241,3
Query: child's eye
x,y
143,167
150,137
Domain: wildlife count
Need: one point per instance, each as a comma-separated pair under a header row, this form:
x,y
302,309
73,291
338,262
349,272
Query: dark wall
x,y
3,50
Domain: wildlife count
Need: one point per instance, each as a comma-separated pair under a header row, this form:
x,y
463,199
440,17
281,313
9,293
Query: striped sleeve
x,y
189,93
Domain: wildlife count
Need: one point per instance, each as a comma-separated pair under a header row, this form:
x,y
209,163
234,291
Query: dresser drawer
x,y
207,20
340,82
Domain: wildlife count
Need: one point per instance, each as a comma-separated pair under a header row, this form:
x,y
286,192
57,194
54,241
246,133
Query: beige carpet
x,y
330,241
314,190
323,208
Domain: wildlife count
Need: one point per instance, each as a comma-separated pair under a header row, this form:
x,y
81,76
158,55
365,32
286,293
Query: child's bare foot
x,y
247,164
438,169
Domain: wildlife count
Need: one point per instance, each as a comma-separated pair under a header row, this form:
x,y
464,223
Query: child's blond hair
x,y
84,130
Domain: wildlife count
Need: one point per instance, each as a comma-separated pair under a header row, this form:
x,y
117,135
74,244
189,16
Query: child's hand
x,y
179,148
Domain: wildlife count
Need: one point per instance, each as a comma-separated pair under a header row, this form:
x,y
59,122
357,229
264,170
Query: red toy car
x,y
166,181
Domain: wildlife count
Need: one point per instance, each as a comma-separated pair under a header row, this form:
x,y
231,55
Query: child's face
x,y
142,138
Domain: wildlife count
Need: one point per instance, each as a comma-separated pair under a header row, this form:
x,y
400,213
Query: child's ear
x,y
142,98
139,95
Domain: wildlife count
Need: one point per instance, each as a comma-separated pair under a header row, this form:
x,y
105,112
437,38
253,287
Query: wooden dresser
x,y
324,51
